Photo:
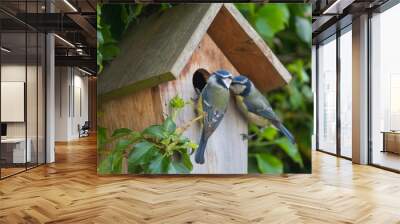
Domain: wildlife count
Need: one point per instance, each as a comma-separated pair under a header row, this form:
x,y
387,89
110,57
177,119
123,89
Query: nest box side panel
x,y
247,50
226,151
135,111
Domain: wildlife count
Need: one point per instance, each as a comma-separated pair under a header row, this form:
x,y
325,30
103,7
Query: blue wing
x,y
261,107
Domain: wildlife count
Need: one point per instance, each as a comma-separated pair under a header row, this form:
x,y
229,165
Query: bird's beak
x,y
227,82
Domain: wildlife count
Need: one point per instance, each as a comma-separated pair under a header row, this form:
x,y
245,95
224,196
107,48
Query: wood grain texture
x,y
136,111
69,191
156,48
247,50
226,151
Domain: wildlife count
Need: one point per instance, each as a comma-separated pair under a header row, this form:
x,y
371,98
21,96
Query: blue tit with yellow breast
x,y
255,107
213,103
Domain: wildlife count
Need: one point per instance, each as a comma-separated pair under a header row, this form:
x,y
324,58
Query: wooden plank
x,y
70,191
136,111
247,50
226,152
155,50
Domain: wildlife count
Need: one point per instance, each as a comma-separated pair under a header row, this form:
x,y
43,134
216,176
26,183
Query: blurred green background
x,y
286,28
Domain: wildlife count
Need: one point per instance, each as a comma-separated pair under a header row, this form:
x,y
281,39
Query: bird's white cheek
x,y
237,89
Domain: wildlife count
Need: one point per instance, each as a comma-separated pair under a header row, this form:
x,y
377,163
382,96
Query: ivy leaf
x,y
120,132
104,166
272,19
269,133
111,164
116,165
122,144
100,39
177,168
101,137
268,163
303,29
169,125
159,164
290,150
252,164
142,153
155,131
109,51
186,161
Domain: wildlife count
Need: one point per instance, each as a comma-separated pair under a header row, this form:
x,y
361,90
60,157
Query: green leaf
x,y
120,132
159,164
177,168
169,125
104,166
100,39
272,18
111,164
270,133
296,98
116,165
141,153
304,29
101,137
177,103
290,150
252,164
269,164
122,144
109,51
155,131
186,161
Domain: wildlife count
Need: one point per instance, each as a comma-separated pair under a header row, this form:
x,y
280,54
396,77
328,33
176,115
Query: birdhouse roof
x,y
157,49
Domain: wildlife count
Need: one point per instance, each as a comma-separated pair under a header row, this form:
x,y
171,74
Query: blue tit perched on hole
x,y
255,107
213,103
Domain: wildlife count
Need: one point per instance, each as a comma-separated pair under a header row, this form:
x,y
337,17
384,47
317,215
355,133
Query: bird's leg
x,y
195,98
248,137
244,136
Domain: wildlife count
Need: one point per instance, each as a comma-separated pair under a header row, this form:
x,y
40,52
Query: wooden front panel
x,y
226,152
136,111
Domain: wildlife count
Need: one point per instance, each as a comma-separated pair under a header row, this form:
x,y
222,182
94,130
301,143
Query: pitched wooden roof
x,y
157,49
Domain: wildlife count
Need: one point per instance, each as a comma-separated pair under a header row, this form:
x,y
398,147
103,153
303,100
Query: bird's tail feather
x,y
286,132
199,157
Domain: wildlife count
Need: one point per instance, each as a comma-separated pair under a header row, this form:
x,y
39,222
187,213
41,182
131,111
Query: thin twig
x,y
182,129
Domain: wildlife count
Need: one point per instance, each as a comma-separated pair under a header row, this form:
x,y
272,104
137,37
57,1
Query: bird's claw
x,y
194,99
247,137
244,136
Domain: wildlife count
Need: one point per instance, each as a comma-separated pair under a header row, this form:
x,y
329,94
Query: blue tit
x,y
254,106
213,100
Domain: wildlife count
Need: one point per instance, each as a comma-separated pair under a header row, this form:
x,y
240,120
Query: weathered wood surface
x,y
246,49
136,111
157,49
226,151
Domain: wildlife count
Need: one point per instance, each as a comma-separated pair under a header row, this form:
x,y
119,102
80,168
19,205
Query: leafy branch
x,y
157,149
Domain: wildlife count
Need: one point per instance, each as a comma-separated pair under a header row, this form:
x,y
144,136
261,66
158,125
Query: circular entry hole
x,y
200,79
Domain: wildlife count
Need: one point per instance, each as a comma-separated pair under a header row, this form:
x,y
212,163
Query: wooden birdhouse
x,y
174,51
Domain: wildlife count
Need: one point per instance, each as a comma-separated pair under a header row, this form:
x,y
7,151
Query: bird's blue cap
x,y
241,79
223,73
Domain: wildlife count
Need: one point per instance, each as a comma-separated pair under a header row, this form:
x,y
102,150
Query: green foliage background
x,y
286,28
